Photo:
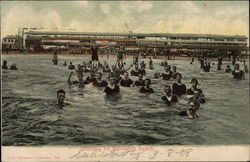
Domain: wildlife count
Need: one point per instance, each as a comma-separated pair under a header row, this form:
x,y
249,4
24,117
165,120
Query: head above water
x,y
237,66
194,82
125,74
178,77
140,76
99,75
4,62
60,96
147,82
174,68
193,106
111,79
167,89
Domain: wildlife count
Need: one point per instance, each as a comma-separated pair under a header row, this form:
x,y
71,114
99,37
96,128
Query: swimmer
x,y
106,69
178,87
202,60
142,70
147,89
111,88
142,65
169,97
150,63
91,78
245,69
198,96
168,74
135,59
192,60
174,72
140,81
218,67
4,66
206,67
120,57
65,63
237,73
13,67
157,75
71,66
191,91
94,54
80,81
60,98
55,59
220,58
99,82
228,69
125,81
136,71
193,107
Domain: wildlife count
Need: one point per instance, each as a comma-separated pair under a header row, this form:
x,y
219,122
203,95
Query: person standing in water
x,y
120,57
94,54
191,91
237,73
4,66
55,58
179,88
147,89
126,81
111,89
140,81
168,74
80,81
228,69
150,63
169,98
99,82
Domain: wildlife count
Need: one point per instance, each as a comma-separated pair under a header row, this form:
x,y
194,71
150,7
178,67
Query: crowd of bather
x,y
118,76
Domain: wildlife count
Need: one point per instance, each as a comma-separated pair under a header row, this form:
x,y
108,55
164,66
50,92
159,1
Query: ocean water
x,y
30,116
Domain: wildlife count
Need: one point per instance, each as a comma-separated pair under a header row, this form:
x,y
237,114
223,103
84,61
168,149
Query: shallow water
x,y
30,117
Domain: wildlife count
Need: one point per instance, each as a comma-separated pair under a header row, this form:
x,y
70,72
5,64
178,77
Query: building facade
x,y
12,43
148,42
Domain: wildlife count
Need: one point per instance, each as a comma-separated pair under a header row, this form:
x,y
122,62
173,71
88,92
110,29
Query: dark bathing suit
x,y
110,91
139,83
144,90
179,89
183,113
167,76
142,71
173,99
94,56
134,73
238,75
191,92
126,83
102,84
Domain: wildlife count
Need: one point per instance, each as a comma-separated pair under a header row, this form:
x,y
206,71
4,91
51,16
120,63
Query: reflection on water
x,y
30,115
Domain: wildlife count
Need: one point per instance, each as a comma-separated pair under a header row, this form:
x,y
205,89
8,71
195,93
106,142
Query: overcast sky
x,y
200,17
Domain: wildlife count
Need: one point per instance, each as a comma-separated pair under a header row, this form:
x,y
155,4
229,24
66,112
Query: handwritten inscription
x,y
132,153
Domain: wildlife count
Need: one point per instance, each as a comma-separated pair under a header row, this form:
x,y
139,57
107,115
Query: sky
x,y
194,17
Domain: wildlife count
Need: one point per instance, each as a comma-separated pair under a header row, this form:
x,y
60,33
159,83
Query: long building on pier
x,y
149,42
